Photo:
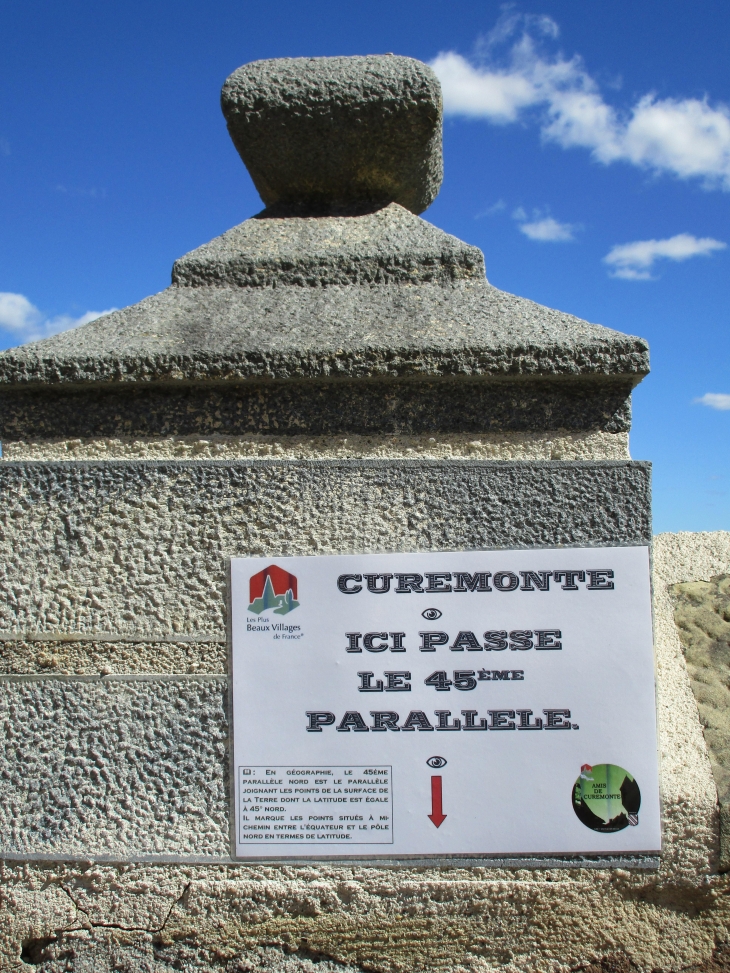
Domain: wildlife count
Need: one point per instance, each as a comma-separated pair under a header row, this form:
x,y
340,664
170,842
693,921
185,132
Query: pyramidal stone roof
x,y
338,277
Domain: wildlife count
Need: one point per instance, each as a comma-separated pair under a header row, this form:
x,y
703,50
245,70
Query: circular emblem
x,y
606,798
436,762
432,614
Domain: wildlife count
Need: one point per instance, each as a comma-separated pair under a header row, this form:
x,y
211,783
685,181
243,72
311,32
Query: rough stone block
x,y
389,246
338,131
319,408
114,768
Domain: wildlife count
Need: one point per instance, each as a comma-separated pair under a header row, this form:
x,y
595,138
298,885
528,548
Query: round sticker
x,y
606,798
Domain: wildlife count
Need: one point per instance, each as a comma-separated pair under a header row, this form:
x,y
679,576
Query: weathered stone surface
x,y
114,767
338,131
145,954
319,408
702,614
151,954
479,924
138,548
681,559
371,324
455,446
456,358
389,246
61,653
226,333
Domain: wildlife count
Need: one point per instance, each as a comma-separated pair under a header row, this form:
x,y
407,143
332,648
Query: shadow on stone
x,y
35,951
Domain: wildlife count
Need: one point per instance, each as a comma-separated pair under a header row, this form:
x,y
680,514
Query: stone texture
x,y
472,922
131,768
227,334
154,917
384,327
702,614
138,548
372,324
148,954
681,559
337,131
319,408
389,246
114,768
500,446
101,656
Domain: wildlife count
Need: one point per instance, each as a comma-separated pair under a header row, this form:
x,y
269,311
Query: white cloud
x,y
544,228
634,261
26,322
548,230
498,96
715,400
688,138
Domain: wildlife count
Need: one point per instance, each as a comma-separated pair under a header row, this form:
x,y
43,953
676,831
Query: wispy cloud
x,y
513,77
27,323
544,228
93,192
634,261
491,210
715,400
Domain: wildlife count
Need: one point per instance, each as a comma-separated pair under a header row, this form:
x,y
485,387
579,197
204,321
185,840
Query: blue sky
x,y
587,151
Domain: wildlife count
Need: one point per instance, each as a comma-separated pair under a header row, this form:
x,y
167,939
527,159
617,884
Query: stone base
x,y
158,917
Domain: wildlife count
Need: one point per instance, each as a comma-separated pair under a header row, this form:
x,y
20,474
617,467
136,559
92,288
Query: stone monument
x,y
334,375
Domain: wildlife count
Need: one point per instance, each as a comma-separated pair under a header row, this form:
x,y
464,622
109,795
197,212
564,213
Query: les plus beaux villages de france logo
x,y
273,588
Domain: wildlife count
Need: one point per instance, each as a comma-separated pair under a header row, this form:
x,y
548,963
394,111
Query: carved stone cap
x,y
338,134
390,246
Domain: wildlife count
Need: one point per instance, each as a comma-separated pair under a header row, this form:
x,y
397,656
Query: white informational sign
x,y
478,703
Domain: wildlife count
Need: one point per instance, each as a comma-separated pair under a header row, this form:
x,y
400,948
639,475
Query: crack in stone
x,y
115,925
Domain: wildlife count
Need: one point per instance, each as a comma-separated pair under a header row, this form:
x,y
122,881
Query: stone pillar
x,y
334,375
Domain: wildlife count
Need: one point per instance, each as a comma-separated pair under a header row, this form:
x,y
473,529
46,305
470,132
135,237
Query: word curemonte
x,y
443,582
499,719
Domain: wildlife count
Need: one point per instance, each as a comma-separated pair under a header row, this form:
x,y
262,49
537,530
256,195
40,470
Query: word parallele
x,y
498,719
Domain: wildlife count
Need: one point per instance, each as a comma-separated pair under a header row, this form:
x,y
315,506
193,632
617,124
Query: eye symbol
x,y
432,614
436,762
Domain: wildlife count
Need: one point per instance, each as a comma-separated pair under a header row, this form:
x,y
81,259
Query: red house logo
x,y
273,588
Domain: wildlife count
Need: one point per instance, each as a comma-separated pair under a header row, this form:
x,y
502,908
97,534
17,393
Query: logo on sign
x,y
606,798
273,588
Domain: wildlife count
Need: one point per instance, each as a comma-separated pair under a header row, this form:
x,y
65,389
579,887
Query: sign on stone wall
x,y
477,703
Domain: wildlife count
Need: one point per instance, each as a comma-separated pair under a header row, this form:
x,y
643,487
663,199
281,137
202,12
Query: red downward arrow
x,y
437,815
